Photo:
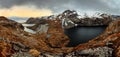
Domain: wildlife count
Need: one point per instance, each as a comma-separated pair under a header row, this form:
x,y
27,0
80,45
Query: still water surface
x,y
79,35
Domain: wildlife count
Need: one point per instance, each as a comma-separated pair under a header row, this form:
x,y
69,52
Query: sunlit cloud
x,y
25,11
35,8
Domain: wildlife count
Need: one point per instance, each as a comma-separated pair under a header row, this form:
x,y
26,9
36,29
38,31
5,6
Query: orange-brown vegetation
x,y
13,37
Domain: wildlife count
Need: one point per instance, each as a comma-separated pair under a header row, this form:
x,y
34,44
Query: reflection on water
x,y
79,35
28,24
27,29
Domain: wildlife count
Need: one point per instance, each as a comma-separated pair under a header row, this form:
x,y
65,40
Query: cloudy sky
x,y
35,8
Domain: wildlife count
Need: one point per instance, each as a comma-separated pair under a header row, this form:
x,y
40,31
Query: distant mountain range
x,y
68,13
19,19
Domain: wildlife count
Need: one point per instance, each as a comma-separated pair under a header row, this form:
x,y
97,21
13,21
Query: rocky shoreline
x,y
50,40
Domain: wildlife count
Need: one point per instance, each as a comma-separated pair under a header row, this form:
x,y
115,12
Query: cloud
x,y
107,6
38,3
24,11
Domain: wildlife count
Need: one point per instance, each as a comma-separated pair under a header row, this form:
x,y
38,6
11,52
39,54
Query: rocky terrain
x,y
70,18
50,40
14,39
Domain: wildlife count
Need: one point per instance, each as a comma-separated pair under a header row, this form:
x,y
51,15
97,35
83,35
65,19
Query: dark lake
x,y
80,35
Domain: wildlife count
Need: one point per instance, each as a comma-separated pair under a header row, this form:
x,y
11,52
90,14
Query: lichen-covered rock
x,y
93,52
22,54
